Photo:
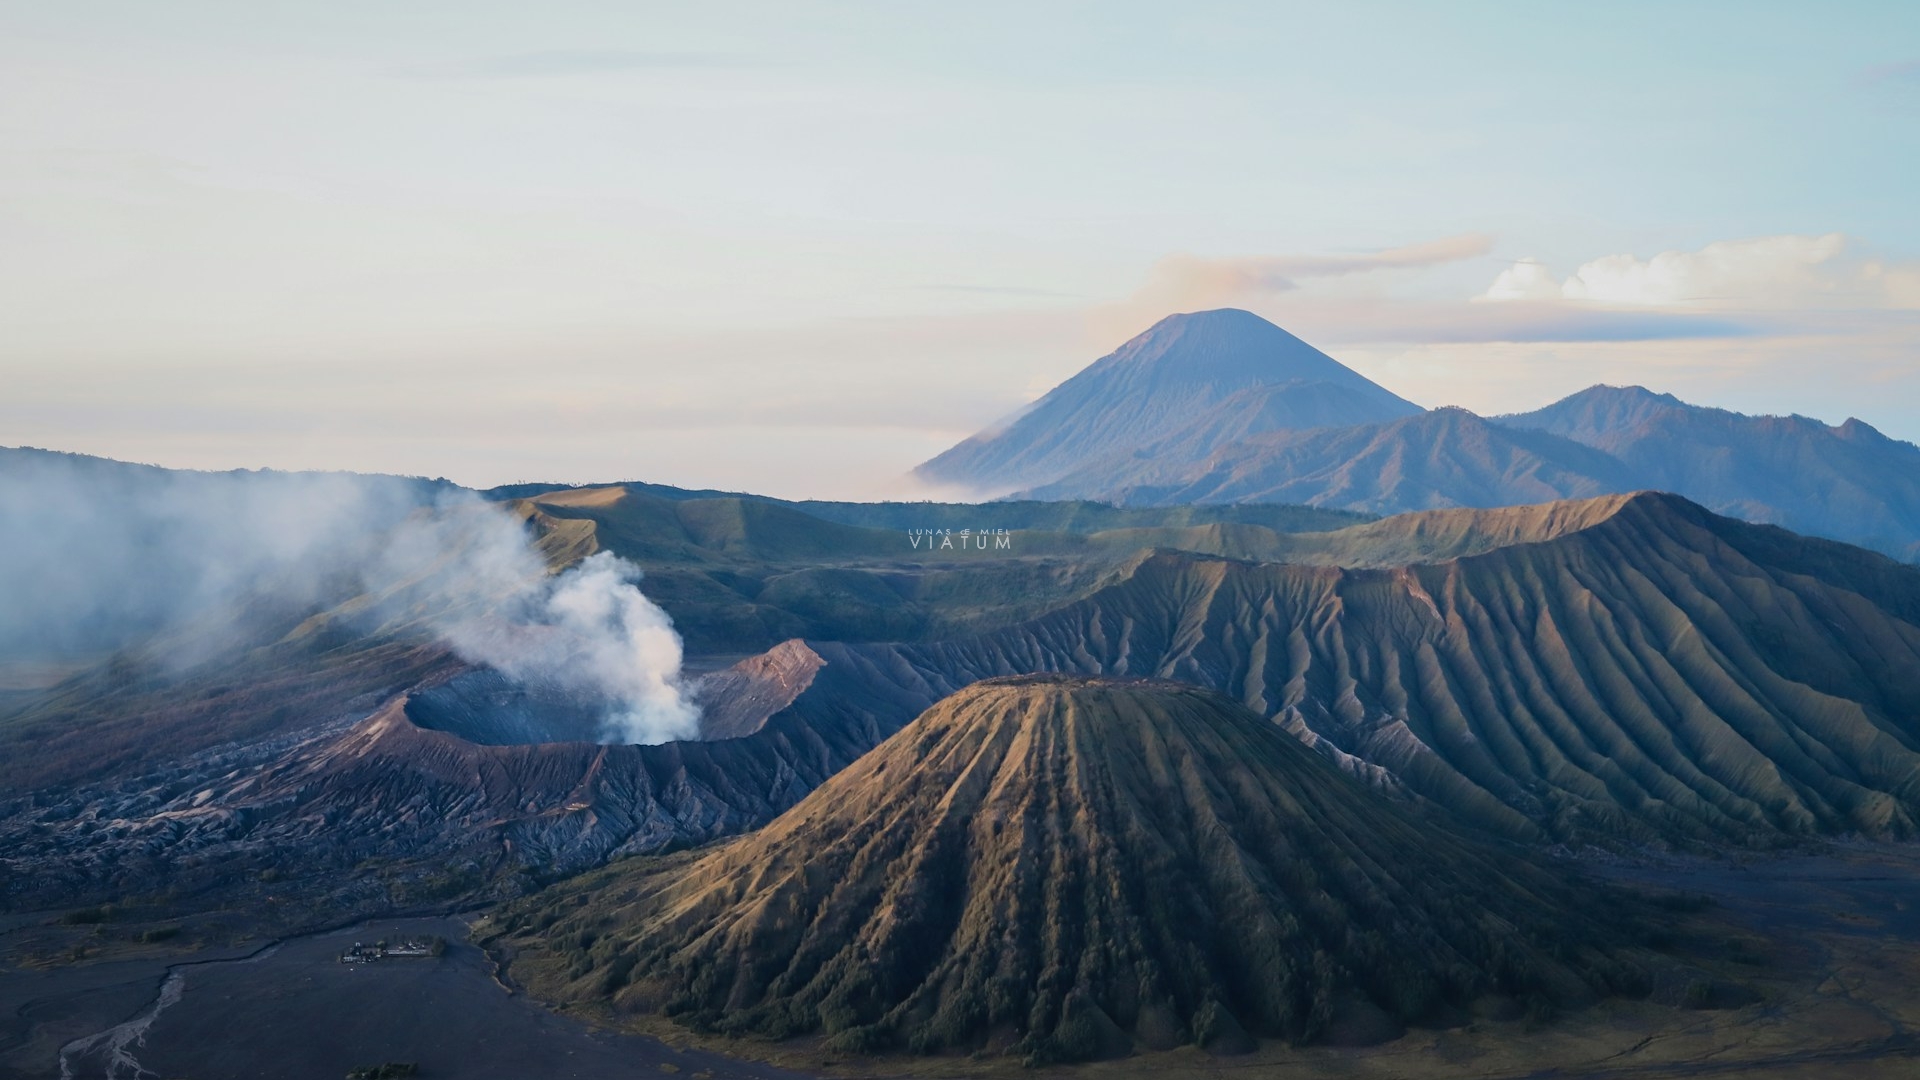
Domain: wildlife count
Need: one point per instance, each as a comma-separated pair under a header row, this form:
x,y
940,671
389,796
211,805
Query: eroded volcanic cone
x,y
1067,868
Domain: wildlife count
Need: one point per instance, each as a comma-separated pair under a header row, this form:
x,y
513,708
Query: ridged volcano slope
x,y
1064,868
1645,670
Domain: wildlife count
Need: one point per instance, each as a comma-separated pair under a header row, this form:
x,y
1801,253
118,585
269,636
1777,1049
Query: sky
x,y
799,247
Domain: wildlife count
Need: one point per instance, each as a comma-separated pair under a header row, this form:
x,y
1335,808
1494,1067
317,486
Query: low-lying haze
x,y
184,567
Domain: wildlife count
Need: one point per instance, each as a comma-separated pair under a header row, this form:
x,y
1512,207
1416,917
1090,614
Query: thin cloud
x,y
1389,322
559,63
1191,282
1289,268
1906,72
1001,290
1557,325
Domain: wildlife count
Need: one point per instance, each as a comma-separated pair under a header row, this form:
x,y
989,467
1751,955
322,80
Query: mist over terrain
x,y
186,566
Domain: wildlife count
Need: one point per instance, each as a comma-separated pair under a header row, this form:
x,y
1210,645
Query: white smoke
x,y
97,556
589,630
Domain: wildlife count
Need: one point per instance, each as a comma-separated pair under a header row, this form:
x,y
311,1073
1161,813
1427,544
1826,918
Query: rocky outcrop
x,y
739,700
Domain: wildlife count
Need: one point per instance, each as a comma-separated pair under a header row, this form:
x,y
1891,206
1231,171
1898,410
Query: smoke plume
x,y
98,556
589,631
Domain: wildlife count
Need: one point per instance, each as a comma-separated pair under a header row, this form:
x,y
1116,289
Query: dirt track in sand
x,y
1836,937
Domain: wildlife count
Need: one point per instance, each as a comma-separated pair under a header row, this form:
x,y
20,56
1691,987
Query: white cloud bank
x,y
1763,272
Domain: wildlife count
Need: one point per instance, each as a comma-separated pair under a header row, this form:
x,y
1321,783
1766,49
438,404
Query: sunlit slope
x,y
1649,670
1424,536
1065,868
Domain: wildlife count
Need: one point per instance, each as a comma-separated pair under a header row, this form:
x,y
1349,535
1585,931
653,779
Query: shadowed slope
x,y
1447,457
1064,867
1597,415
1644,670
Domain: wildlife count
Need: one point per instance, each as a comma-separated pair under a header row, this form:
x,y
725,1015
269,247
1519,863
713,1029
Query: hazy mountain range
x,y
1224,407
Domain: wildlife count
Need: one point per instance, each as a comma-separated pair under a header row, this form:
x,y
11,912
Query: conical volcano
x,y
1201,380
1067,868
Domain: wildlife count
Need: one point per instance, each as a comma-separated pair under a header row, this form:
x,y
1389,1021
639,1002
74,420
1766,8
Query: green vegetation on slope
x,y
741,572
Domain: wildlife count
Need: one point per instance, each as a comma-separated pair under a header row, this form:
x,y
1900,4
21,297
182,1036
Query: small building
x,y
362,953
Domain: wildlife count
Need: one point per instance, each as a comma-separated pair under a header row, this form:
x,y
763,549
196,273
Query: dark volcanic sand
x,y
296,1013
1860,890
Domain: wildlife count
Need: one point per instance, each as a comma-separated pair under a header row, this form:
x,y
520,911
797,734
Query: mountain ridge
x,y
1649,672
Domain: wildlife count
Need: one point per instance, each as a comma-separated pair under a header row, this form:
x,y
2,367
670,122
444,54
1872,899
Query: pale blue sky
x,y
798,247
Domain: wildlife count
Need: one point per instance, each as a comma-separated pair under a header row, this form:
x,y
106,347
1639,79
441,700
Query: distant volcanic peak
x,y
1068,867
1443,419
1231,348
1601,415
1175,379
1223,318
1220,333
1602,410
1632,392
